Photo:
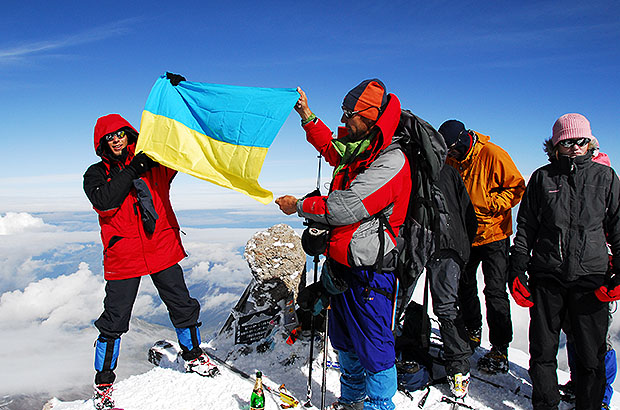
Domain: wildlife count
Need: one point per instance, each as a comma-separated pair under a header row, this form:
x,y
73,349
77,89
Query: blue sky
x,y
505,69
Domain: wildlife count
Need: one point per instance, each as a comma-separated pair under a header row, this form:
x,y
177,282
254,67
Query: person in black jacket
x,y
570,209
458,227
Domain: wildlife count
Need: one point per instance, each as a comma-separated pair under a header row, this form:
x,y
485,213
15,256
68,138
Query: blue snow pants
x,y
360,329
358,384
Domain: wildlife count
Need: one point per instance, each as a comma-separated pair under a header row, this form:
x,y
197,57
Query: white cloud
x,y
48,333
24,238
34,48
63,302
13,223
220,299
214,257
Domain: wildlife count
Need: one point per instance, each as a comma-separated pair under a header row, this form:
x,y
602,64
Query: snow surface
x,y
164,388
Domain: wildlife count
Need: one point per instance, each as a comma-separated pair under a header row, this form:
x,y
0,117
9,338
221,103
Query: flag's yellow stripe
x,y
186,150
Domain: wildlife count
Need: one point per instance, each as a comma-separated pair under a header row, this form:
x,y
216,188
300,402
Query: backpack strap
x,y
378,266
425,334
383,223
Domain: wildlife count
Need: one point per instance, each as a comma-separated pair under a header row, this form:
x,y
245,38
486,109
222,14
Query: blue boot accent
x,y
611,367
106,353
189,337
381,387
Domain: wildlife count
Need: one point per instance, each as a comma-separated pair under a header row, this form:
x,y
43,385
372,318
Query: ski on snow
x,y
456,403
287,399
166,354
516,392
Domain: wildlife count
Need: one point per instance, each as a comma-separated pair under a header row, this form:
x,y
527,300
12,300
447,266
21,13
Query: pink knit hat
x,y
571,126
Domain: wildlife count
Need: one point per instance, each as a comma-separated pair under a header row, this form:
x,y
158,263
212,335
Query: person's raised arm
x,y
302,106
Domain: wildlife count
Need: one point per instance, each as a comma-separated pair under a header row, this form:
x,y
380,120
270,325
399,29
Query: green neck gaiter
x,y
350,150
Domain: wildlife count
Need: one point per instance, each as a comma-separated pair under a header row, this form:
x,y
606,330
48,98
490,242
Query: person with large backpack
x,y
495,186
371,184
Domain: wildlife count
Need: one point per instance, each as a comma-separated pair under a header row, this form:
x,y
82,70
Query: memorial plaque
x,y
256,326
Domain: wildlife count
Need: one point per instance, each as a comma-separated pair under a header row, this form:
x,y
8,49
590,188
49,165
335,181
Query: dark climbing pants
x,y
494,259
444,275
554,303
184,312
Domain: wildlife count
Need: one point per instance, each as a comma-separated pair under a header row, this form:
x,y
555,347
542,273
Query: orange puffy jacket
x,y
495,185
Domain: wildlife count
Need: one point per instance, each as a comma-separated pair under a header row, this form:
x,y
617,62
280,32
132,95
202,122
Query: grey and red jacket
x,y
128,250
377,181
570,209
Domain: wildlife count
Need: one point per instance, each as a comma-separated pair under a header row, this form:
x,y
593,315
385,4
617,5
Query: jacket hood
x,y
388,121
111,123
602,158
479,139
384,128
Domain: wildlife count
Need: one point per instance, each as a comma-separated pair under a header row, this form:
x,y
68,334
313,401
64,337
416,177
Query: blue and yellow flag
x,y
219,133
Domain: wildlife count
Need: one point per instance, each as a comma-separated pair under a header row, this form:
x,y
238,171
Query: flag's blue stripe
x,y
248,116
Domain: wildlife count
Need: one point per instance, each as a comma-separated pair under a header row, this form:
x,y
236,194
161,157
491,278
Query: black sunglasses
x,y
118,134
570,142
453,145
348,114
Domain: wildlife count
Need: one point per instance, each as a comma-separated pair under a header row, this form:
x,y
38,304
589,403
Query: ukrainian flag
x,y
219,133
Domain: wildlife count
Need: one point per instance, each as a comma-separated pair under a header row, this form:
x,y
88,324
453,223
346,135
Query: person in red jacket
x,y
364,209
140,235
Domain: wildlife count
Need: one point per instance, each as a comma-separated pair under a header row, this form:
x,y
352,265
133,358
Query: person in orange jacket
x,y
495,186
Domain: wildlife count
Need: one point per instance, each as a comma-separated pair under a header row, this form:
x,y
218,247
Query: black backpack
x,y
426,151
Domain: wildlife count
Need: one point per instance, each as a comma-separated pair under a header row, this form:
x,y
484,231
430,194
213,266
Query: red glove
x,y
609,292
521,292
518,280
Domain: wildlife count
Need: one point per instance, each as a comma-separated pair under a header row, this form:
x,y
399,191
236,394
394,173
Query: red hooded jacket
x,y
128,250
377,181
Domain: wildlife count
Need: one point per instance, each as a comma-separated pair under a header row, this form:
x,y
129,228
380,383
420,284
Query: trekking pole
x,y
312,335
324,381
312,321
318,176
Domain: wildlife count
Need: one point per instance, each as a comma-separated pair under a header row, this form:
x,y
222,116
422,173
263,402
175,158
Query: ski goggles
x,y
570,142
120,134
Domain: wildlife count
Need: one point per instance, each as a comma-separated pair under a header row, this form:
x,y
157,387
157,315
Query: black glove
x,y
313,298
314,238
517,265
141,163
175,79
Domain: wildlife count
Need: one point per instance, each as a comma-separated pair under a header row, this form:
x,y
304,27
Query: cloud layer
x,y
50,296
52,288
